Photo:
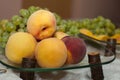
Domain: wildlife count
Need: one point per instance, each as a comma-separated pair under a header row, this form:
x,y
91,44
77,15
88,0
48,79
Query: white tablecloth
x,y
8,75
111,72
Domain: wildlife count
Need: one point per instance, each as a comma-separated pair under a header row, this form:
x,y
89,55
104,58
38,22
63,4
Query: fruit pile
x,y
42,41
34,28
100,27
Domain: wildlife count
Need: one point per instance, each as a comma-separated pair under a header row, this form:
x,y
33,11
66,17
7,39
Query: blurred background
x,y
67,9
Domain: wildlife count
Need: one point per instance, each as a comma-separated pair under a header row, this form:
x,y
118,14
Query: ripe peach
x,y
20,45
41,24
76,47
51,53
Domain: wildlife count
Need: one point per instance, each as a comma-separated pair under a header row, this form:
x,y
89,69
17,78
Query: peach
x,y
76,47
51,53
20,45
41,24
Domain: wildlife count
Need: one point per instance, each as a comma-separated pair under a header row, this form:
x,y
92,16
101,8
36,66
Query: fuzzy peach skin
x,y
20,45
41,24
76,49
51,53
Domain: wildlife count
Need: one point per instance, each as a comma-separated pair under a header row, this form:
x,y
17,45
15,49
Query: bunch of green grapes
x,y
69,26
15,24
98,26
102,25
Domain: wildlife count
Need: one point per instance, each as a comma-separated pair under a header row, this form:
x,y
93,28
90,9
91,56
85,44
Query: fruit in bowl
x,y
76,47
51,53
20,45
41,24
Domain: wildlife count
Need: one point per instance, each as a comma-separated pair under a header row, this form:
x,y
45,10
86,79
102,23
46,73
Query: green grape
x,y
24,13
101,24
108,21
95,25
16,20
2,50
69,33
20,30
32,9
73,30
64,26
1,31
103,31
3,44
109,31
25,21
63,22
2,23
10,27
117,31
22,25
110,26
100,18
0,39
87,21
92,27
5,33
77,24
5,38
94,20
97,31
61,28
25,29
80,25
67,27
84,23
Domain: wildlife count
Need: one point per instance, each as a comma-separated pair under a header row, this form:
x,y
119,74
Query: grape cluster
x,y
97,26
15,24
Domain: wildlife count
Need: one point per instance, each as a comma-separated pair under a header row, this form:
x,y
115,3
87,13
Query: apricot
x,y
51,53
20,45
41,24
